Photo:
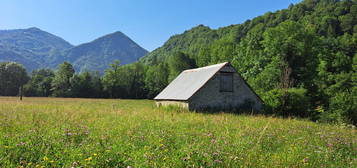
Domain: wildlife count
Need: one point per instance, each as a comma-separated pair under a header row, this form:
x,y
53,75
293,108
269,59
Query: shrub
x,y
342,109
293,102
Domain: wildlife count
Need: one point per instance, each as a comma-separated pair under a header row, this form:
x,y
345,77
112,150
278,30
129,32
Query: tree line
x,y
134,81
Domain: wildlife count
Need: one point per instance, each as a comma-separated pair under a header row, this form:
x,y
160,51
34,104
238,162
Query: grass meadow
x,y
56,132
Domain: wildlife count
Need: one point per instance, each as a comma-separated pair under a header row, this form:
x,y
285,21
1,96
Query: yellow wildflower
x,y
88,159
94,154
45,158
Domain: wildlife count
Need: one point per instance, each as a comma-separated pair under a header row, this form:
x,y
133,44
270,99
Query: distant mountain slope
x,y
32,47
35,48
191,41
98,54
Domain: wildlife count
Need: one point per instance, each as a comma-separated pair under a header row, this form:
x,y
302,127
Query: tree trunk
x,y
21,91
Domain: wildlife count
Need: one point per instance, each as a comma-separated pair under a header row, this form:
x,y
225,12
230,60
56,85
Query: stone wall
x,y
210,96
169,102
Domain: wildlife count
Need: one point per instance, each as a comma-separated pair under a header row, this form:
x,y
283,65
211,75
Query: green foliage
x,y
111,79
156,79
190,43
12,77
125,81
86,85
291,102
61,82
40,83
342,108
178,63
292,45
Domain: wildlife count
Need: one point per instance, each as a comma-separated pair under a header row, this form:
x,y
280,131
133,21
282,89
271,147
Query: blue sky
x,y
148,22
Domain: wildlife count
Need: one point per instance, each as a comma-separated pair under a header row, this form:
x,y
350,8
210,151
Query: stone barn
x,y
214,87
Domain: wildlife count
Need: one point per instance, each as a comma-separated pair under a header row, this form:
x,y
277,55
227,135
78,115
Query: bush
x,y
342,109
293,102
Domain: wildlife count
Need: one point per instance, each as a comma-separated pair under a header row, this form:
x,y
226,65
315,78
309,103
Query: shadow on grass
x,y
213,111
245,111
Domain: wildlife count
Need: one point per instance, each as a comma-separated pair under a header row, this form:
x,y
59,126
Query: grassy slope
x,y
56,132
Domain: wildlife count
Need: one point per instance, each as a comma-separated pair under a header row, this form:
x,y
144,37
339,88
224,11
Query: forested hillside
x,y
324,18
307,51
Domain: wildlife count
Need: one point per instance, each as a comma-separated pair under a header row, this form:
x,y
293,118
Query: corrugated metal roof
x,y
189,82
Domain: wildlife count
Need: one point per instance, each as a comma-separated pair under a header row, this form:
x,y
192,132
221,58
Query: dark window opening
x,y
226,82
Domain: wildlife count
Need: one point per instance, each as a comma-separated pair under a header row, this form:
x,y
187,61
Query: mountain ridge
x,y
36,48
105,50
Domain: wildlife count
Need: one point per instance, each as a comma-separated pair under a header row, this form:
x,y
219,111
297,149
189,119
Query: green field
x,y
55,132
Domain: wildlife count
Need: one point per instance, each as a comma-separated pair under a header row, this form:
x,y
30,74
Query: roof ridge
x,y
206,67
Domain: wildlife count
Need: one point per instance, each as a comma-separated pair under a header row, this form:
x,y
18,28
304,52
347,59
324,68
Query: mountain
x,y
35,48
31,47
100,53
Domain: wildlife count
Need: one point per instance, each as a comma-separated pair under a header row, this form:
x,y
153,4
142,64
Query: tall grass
x,y
54,132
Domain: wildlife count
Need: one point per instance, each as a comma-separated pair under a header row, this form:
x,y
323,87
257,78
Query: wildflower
x,y
217,161
45,158
94,154
74,164
21,144
305,160
88,159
